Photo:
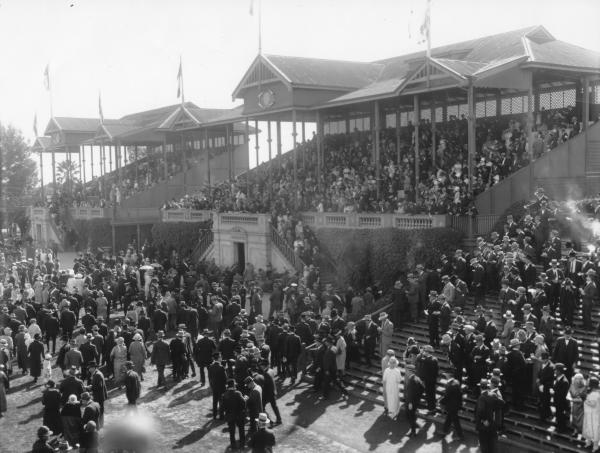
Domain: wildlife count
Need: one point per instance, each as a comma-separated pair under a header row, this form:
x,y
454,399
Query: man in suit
x,y
204,349
574,268
253,399
514,370
371,335
267,383
217,378
490,331
545,380
70,385
233,407
547,325
329,366
96,385
160,357
291,351
68,321
479,356
427,369
566,352
452,401
433,316
413,390
529,317
555,277
486,410
561,404
568,298
91,410
588,294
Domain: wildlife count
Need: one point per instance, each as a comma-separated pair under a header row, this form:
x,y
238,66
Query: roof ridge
x,y
324,59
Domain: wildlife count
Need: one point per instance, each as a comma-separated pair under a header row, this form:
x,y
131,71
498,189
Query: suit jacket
x,y
546,375
98,384
233,405
414,390
133,385
564,353
91,412
490,331
292,347
452,399
487,409
161,354
217,377
561,390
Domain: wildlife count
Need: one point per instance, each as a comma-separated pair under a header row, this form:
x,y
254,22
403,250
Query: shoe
x,y
278,422
194,375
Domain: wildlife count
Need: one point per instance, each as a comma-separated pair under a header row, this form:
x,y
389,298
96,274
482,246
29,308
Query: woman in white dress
x,y
391,388
119,356
591,414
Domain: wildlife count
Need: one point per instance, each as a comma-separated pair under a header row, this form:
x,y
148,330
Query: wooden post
x,y
92,162
231,149
586,104
530,116
135,158
377,143
114,238
183,162
471,132
138,235
416,118
256,144
279,141
295,155
303,141
42,176
79,155
111,149
54,169
433,140
207,153
82,169
119,166
398,136
319,148
164,153
269,140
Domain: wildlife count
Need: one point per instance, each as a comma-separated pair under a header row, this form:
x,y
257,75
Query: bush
x,y
180,236
367,257
93,233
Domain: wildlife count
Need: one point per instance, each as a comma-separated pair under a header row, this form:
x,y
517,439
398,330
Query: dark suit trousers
x,y
273,402
453,419
161,375
216,394
487,440
240,426
430,394
411,416
545,411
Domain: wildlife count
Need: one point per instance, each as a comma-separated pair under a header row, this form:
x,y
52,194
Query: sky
x,y
130,49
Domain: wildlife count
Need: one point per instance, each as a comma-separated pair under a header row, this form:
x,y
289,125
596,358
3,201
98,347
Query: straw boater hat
x,y
383,315
514,342
263,420
508,315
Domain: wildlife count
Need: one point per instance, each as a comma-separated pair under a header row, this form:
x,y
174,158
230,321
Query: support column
x,y
42,176
319,148
231,149
377,143
585,117
164,153
295,155
183,162
114,238
398,136
92,162
530,117
111,149
256,144
207,153
135,161
138,236
54,169
303,141
247,138
82,167
269,145
471,132
79,155
416,117
433,140
119,166
102,159
279,141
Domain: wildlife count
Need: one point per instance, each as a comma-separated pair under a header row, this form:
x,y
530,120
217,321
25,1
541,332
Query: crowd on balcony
x,y
347,181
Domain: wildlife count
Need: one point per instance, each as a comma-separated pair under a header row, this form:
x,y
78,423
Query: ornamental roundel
x,y
266,99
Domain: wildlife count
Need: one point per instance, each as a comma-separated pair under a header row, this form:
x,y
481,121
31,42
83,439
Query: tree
x,y
19,170
67,172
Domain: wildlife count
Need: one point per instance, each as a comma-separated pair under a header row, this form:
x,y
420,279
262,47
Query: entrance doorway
x,y
239,251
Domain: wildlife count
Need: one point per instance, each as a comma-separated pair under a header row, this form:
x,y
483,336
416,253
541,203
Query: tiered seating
x,y
522,428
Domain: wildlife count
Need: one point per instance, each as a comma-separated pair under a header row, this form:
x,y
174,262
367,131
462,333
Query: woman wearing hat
x,y
509,325
4,386
138,354
591,414
577,392
51,402
118,357
41,445
70,416
391,388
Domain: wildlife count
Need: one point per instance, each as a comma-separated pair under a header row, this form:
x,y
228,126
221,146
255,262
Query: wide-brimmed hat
x,y
262,419
44,431
514,342
508,315
383,315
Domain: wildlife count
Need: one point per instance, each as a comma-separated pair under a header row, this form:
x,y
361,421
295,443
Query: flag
x,y
100,108
421,18
180,81
425,28
252,7
35,124
47,77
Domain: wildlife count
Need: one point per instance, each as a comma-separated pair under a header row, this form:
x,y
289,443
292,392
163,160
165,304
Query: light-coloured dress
x,y
387,333
119,356
340,358
391,390
577,408
591,417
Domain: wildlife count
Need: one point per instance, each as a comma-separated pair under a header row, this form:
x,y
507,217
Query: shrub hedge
x,y
180,236
366,257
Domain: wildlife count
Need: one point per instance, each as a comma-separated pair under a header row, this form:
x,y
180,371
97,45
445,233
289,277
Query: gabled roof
x,y
41,143
384,88
560,53
70,124
155,116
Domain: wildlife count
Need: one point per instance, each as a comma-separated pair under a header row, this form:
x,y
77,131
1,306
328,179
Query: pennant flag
x,y
425,28
35,124
420,18
180,81
47,77
100,108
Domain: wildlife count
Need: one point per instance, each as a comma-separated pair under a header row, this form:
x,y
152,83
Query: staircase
x,y
286,250
522,428
204,247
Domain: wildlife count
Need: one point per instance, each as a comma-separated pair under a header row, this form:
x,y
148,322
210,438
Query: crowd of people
x,y
347,182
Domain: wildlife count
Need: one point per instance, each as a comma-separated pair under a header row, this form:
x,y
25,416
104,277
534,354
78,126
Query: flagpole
x,y
259,27
182,95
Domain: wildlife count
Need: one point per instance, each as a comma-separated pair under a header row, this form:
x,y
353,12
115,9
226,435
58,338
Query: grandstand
x,y
408,142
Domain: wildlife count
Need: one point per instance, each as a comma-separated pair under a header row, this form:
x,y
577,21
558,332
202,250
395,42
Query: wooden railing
x,y
205,241
287,250
84,213
373,221
480,225
185,215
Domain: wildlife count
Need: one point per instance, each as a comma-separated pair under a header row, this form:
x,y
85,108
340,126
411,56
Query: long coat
x,y
4,386
36,358
51,403
387,332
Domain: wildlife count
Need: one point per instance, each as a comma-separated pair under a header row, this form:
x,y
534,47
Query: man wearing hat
x,y
96,385
160,357
413,390
490,330
566,352
529,317
515,372
433,318
427,368
203,351
179,356
217,378
70,385
89,353
547,325
479,356
42,444
292,348
486,423
91,409
233,406
370,339
263,439
545,380
561,392
253,399
386,331
133,386
555,277
267,384
569,299
452,402
588,295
